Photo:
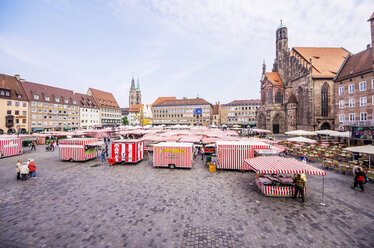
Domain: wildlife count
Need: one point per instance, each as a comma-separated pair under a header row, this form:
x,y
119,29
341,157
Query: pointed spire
x,y
197,95
132,83
263,67
137,85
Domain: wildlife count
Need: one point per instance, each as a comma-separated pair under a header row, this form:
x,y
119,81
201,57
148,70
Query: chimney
x,y
17,76
371,20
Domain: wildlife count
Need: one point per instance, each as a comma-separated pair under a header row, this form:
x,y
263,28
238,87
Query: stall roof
x,y
174,144
369,149
302,140
280,165
300,133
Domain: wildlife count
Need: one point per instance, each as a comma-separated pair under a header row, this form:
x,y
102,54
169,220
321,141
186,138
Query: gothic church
x,y
135,95
299,92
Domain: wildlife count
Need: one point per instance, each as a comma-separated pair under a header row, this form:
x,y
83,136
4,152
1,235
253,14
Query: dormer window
x,y
19,96
74,102
7,93
36,97
47,98
66,100
57,99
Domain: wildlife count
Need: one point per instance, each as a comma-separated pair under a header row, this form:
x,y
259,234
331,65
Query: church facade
x,y
135,95
299,92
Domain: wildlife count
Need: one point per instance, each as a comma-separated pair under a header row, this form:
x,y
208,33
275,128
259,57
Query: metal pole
x,y
323,191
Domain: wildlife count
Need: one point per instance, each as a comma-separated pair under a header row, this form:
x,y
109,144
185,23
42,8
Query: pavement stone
x,y
91,204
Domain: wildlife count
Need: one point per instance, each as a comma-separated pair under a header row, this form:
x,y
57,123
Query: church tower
x,y
281,50
138,93
132,93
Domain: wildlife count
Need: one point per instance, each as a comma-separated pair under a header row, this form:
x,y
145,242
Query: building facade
x,y
240,112
89,111
51,108
354,93
14,105
135,95
216,114
299,92
140,114
195,111
109,109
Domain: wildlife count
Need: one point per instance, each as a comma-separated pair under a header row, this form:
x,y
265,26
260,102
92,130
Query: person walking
x,y
24,169
103,155
299,186
18,169
359,179
33,146
32,169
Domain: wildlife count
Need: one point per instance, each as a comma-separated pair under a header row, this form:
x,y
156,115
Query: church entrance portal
x,y
275,128
325,126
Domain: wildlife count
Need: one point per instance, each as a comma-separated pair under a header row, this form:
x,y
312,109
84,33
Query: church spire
x,y
137,85
132,83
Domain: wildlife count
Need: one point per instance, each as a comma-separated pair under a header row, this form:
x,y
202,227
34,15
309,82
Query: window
x,y
9,112
341,117
24,113
47,98
66,101
325,100
36,97
7,93
24,104
33,110
278,97
341,91
351,88
9,103
363,116
17,104
23,120
352,116
33,103
362,86
341,104
57,99
17,112
19,96
351,102
363,101
46,105
74,102
372,84
40,104
2,93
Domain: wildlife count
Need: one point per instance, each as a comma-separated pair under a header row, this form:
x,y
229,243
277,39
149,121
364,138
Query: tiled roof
x,y
356,64
161,99
86,101
244,102
274,78
135,107
371,17
326,61
104,99
11,83
43,92
179,102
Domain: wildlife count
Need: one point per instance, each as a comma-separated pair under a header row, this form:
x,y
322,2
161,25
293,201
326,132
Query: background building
x,y
240,112
135,95
216,114
89,111
140,114
195,111
109,108
51,108
354,93
14,105
299,94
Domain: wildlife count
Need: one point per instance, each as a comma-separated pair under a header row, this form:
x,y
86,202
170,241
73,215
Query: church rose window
x,y
325,100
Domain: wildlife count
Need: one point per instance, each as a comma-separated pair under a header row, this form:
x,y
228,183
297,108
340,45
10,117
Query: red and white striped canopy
x,y
280,165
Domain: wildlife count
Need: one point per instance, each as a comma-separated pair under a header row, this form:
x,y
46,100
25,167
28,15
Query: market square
x,y
91,204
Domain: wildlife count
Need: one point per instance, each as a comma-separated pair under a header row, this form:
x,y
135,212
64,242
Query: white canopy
x,y
300,132
326,132
302,140
369,149
342,134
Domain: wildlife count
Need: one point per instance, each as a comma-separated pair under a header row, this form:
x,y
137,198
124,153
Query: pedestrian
x,y
355,169
359,179
106,151
33,145
51,146
24,169
32,169
299,186
366,179
18,169
103,155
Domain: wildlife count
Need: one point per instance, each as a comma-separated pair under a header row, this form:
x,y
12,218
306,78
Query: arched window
x,y
300,106
279,97
270,97
325,100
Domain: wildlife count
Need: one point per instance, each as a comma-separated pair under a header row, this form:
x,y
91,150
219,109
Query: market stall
x,y
127,151
173,155
274,175
10,147
78,149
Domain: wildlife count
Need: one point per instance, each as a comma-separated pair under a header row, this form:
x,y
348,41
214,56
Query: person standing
x,y
33,146
359,179
299,186
18,169
24,169
32,169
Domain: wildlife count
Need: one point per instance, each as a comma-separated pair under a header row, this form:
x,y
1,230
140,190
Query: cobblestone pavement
x,y
95,205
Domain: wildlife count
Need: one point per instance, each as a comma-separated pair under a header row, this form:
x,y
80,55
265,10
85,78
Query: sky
x,y
213,49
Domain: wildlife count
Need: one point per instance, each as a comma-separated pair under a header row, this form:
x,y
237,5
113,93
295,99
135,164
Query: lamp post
x,y
17,127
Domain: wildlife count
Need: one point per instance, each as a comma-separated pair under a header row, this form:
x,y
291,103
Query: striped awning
x,y
280,165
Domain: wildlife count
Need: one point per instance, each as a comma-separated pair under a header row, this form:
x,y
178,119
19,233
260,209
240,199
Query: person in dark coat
x,y
359,179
